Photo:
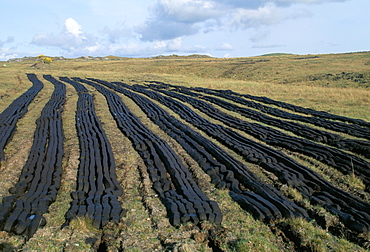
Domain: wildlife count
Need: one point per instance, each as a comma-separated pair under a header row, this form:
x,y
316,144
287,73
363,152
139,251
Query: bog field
x,y
185,153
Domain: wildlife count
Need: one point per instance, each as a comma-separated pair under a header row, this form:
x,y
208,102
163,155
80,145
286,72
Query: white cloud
x,y
165,30
305,1
172,19
254,4
225,47
160,44
73,41
130,48
73,27
65,41
70,41
93,49
266,15
175,44
6,53
187,11
119,31
245,18
181,26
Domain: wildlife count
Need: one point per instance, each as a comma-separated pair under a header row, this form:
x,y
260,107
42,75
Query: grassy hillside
x,y
336,83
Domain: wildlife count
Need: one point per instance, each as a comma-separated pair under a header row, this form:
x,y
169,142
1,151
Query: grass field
x,y
335,83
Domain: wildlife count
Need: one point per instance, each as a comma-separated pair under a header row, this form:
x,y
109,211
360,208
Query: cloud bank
x,y
170,22
70,40
5,51
171,19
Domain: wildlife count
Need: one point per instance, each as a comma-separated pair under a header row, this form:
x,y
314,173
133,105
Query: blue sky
x,y
145,28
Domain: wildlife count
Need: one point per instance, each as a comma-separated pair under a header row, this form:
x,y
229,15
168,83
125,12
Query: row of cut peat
x,y
40,178
9,117
344,162
355,215
97,189
263,201
171,179
361,147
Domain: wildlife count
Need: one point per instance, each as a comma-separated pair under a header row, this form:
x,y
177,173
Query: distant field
x,y
176,155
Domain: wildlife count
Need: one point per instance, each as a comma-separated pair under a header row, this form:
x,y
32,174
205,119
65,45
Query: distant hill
x,y
276,54
178,56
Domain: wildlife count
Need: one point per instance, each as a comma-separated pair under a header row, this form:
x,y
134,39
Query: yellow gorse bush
x,y
45,59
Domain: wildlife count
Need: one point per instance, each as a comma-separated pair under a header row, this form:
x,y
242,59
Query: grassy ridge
x,y
335,83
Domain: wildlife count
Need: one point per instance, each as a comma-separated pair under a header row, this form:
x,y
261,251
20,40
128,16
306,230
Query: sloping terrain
x,y
104,164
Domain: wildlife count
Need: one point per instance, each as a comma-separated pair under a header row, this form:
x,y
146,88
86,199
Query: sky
x,y
147,28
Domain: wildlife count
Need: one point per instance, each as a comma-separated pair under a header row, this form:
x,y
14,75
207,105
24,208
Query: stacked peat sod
x,y
263,201
361,147
307,111
342,161
172,181
9,117
266,100
353,212
39,182
97,191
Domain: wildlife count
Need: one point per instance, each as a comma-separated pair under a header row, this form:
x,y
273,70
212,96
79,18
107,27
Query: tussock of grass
x,y
244,233
83,224
355,181
312,238
291,193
